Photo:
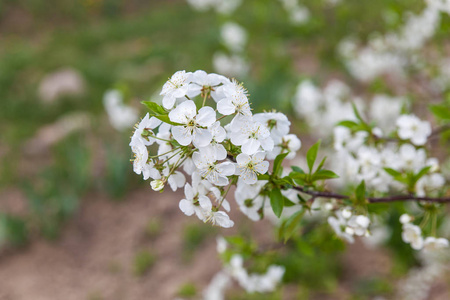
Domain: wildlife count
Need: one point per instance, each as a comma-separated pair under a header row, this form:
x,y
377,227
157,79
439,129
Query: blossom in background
x,y
435,244
120,116
233,36
412,234
412,128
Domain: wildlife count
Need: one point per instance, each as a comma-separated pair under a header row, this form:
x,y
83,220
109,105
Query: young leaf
x,y
348,124
276,201
420,174
311,155
297,169
288,227
360,192
321,164
392,172
324,174
440,111
277,163
165,119
155,108
287,202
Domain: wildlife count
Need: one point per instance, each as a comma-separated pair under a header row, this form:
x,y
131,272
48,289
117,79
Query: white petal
x,y
189,191
205,203
221,152
221,181
168,101
251,146
243,159
206,116
267,144
226,168
202,137
181,135
249,177
262,167
186,207
225,107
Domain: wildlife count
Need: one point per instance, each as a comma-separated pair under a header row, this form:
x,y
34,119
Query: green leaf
x,y
287,202
398,176
299,178
311,155
392,172
440,111
324,174
276,201
288,226
263,177
297,169
288,180
321,163
155,108
348,124
360,192
357,115
277,163
165,119
424,171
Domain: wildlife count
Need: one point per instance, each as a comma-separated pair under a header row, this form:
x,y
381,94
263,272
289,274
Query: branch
x,y
374,199
439,130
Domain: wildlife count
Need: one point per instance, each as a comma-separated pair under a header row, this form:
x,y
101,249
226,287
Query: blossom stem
x,y
224,195
225,116
171,157
204,99
174,149
158,138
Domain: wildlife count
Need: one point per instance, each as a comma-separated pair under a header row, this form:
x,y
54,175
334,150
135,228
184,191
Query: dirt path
x,y
93,259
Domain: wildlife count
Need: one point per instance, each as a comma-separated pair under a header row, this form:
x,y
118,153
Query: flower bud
x,y
157,185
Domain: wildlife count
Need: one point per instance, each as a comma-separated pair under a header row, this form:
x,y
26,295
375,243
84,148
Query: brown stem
x,y
374,199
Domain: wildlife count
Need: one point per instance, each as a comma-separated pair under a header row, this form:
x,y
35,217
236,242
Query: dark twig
x,y
373,199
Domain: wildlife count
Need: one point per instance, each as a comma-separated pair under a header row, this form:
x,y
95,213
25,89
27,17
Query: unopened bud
x,y
157,185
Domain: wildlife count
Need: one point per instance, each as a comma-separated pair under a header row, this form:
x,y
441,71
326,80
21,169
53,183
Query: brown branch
x,y
439,130
374,199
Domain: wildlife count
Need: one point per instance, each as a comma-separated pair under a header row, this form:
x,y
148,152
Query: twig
x,y
374,199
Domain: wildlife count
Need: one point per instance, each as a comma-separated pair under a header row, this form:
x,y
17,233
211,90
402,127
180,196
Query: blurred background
x,y
76,223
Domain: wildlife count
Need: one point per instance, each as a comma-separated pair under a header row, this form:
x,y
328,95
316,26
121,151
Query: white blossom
x,y
412,128
176,87
216,173
193,124
413,235
249,167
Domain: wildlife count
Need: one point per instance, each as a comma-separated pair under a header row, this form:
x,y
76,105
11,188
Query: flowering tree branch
x,y
373,199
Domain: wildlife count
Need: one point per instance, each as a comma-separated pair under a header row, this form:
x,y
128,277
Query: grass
x,y
187,290
142,263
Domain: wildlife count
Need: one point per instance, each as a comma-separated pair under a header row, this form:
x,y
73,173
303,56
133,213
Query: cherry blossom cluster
x,y
378,162
234,269
393,52
185,136
346,225
412,234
